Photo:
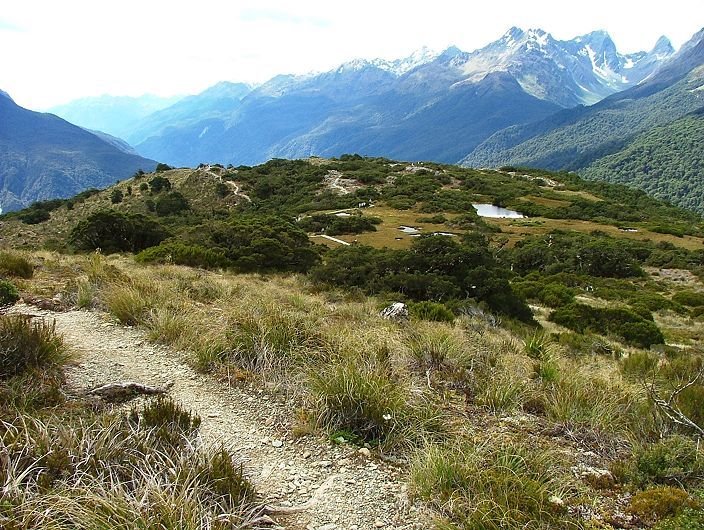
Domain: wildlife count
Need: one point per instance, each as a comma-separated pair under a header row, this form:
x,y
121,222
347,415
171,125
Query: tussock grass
x,y
360,396
437,346
14,264
491,485
142,470
27,344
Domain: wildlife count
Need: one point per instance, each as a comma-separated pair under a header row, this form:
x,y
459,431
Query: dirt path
x,y
235,187
360,491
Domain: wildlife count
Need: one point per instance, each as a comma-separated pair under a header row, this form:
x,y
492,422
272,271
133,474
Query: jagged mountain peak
x,y
663,47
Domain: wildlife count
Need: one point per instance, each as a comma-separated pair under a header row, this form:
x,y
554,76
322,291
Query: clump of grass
x,y
27,344
592,404
271,337
436,346
129,302
167,324
111,471
360,396
13,264
490,485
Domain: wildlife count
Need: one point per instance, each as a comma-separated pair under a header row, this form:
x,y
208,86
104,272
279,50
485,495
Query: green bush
x,y
183,254
362,398
432,311
15,265
658,503
490,486
159,183
689,298
113,231
631,327
26,344
8,293
170,204
116,196
639,365
169,422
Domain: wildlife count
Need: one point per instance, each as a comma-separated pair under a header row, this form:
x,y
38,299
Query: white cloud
x,y
77,48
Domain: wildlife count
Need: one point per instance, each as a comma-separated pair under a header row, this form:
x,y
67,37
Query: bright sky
x,y
55,51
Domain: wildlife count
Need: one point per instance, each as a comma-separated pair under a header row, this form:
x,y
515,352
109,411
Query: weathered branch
x,y
126,390
669,407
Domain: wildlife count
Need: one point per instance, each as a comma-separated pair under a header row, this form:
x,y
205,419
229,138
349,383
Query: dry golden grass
x,y
517,229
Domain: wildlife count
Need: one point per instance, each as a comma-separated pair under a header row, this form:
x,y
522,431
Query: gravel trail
x,y
359,491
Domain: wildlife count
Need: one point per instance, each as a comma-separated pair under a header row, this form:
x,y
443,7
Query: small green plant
x,y
15,265
660,502
8,293
689,298
639,364
168,420
432,311
26,344
672,461
436,347
360,397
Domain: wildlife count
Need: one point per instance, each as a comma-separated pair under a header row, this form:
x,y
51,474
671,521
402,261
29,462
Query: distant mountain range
x,y
437,106
43,157
525,99
649,135
115,115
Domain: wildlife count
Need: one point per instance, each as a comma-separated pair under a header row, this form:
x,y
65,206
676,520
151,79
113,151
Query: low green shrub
x,y
15,265
183,254
639,364
689,298
675,460
8,293
359,396
26,344
432,311
626,324
660,502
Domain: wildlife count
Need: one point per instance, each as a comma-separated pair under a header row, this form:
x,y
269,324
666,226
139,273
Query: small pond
x,y
489,210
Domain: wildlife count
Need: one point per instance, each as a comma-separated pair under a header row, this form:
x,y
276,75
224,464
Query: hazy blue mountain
x,y
437,106
115,115
215,103
43,156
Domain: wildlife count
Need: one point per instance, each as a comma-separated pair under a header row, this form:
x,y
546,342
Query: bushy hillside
x,y
667,162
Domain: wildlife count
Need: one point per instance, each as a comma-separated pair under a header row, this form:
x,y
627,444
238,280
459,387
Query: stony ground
x,y
349,488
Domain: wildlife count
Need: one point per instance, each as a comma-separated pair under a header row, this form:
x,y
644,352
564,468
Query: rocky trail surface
x,y
337,486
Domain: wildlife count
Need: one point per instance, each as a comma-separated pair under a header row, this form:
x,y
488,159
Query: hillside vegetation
x,y
549,374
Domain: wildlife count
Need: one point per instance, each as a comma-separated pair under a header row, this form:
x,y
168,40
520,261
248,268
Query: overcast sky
x,y
53,51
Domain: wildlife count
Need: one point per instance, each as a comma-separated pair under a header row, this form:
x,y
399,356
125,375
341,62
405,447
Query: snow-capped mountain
x,y
429,105
583,70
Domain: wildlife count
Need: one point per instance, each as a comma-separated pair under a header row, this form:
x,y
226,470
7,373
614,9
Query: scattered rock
x,y
365,452
398,311
277,443
595,477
